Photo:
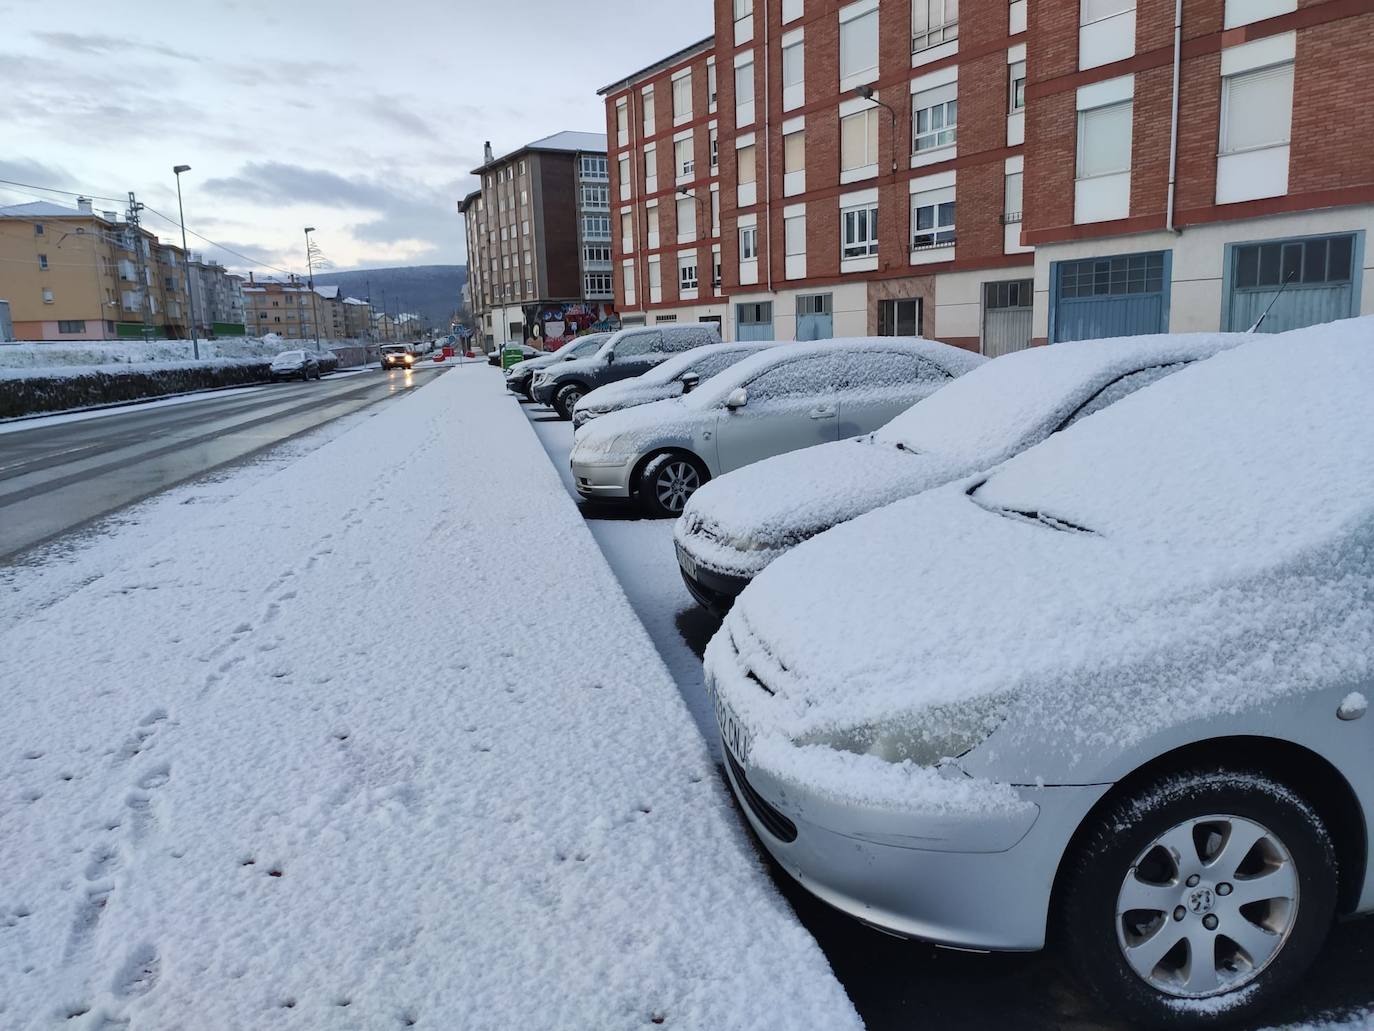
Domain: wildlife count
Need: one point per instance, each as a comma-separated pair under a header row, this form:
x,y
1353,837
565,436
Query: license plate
x,y
688,564
732,732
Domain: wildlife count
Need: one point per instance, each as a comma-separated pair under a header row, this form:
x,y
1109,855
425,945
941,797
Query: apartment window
x,y
744,162
593,166
933,22
528,258
687,273
71,326
794,64
38,229
715,212
711,83
858,43
650,168
655,276
1016,76
1090,11
684,157
715,150
652,220
594,254
934,118
744,84
597,283
859,141
503,233
594,195
794,235
622,117
859,231
627,237
1104,140
686,219
794,152
524,198
43,261
522,168
748,243
1256,109
743,9
596,227
932,219
1011,201
682,97
529,286
715,269
624,165
525,226
649,111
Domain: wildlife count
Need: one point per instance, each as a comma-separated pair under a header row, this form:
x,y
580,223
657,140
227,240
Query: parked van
x,y
628,353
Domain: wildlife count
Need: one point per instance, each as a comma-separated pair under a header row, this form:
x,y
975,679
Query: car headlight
x,y
602,460
753,543
927,738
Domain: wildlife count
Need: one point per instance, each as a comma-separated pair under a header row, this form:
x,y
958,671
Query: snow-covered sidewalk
x,y
336,753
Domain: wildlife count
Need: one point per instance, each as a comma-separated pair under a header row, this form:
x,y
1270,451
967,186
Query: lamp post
x,y
310,266
866,92
186,259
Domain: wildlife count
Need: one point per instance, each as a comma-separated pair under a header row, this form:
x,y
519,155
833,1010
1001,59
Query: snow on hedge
x,y
46,354
326,755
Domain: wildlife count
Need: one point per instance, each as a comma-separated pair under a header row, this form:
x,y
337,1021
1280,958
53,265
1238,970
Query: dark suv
x,y
629,353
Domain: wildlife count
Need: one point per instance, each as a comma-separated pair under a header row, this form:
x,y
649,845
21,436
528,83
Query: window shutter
x,y
1104,140
853,140
859,44
794,151
744,158
1258,109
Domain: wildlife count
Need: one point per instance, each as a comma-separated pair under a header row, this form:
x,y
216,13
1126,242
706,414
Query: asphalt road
x,y
56,475
899,985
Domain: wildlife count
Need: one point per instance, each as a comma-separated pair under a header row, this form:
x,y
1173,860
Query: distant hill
x,y
434,291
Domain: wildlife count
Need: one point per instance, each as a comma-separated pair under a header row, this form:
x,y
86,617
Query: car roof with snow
x,y
954,360
1147,563
1030,393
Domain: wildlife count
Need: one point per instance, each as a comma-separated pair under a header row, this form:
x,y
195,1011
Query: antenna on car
x,y
1265,315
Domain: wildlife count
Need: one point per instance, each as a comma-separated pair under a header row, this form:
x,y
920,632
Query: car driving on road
x,y
628,353
734,526
520,376
300,365
1112,695
784,398
676,376
396,356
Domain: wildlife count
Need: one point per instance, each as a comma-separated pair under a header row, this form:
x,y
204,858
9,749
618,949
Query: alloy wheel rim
x,y
675,484
1207,906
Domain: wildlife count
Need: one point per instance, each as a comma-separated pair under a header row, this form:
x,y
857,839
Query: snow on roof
x,y
327,291
39,207
570,139
643,73
354,300
1187,553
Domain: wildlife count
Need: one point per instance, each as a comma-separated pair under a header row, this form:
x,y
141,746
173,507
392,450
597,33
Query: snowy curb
x,y
251,782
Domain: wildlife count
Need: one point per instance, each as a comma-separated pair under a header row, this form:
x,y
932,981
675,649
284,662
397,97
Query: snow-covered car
x,y
295,365
1112,693
628,353
520,376
734,526
395,356
677,376
784,398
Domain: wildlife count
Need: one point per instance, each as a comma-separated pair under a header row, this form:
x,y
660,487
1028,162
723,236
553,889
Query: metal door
x,y
1006,316
815,317
1121,295
900,318
1309,281
754,321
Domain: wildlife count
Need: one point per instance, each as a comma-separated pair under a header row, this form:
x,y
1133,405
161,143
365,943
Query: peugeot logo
x,y
1200,901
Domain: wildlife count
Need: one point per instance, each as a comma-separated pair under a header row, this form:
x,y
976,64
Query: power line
x,y
67,193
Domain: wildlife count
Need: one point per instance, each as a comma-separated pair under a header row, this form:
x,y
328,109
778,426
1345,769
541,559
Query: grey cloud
x,y
102,45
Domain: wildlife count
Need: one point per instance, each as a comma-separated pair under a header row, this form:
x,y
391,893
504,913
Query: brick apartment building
x,y
539,241
860,168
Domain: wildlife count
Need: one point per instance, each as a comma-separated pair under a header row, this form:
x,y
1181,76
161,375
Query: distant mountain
x,y
434,291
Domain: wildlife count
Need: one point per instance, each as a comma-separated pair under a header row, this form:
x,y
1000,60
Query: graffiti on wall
x,y
559,323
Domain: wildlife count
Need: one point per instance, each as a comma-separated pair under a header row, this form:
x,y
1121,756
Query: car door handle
x,y
823,412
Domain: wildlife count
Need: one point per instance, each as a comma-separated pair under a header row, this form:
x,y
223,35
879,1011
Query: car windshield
x,y
1020,398
587,346
1231,477
290,356
394,349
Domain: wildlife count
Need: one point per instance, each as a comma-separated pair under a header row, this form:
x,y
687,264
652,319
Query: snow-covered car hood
x,y
741,521
1194,551
533,364
574,367
630,431
626,393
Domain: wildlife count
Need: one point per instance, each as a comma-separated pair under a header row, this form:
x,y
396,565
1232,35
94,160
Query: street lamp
x,y
186,258
310,266
866,92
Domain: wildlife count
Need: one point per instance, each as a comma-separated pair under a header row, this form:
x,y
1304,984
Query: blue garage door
x,y
1308,281
1123,295
754,321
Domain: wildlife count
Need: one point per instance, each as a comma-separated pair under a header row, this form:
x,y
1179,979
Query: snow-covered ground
x,y
373,741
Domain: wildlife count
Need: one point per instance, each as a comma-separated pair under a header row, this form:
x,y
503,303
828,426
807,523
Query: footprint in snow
x,y
104,861
138,976
33,755
156,777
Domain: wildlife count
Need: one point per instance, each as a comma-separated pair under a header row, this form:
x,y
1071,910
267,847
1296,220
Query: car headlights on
x,y
927,738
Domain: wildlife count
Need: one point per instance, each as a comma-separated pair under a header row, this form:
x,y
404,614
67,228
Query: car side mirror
x,y
690,382
610,357
737,398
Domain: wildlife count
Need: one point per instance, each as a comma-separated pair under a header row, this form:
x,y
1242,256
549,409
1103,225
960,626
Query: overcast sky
x,y
361,119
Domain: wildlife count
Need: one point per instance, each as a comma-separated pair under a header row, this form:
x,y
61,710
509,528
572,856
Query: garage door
x,y
1308,281
1006,316
1121,295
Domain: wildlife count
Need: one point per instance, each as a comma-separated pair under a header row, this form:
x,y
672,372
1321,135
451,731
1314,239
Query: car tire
x,y
667,482
1136,851
566,397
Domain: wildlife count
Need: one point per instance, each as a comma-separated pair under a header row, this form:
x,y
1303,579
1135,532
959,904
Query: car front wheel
x,y
667,482
565,399
1198,901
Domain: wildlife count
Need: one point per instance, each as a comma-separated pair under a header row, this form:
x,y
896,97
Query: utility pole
x,y
310,266
186,261
137,242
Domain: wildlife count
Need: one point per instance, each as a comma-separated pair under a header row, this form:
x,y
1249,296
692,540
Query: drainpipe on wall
x,y
1173,118
767,157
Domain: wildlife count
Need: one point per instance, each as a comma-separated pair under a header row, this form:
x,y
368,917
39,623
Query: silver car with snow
x,y
520,376
734,526
677,376
787,397
1112,695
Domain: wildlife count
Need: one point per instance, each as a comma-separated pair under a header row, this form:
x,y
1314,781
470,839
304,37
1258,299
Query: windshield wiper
x,y
1028,515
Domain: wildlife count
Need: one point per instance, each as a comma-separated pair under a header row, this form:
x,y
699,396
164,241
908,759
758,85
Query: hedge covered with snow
x,y
30,391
